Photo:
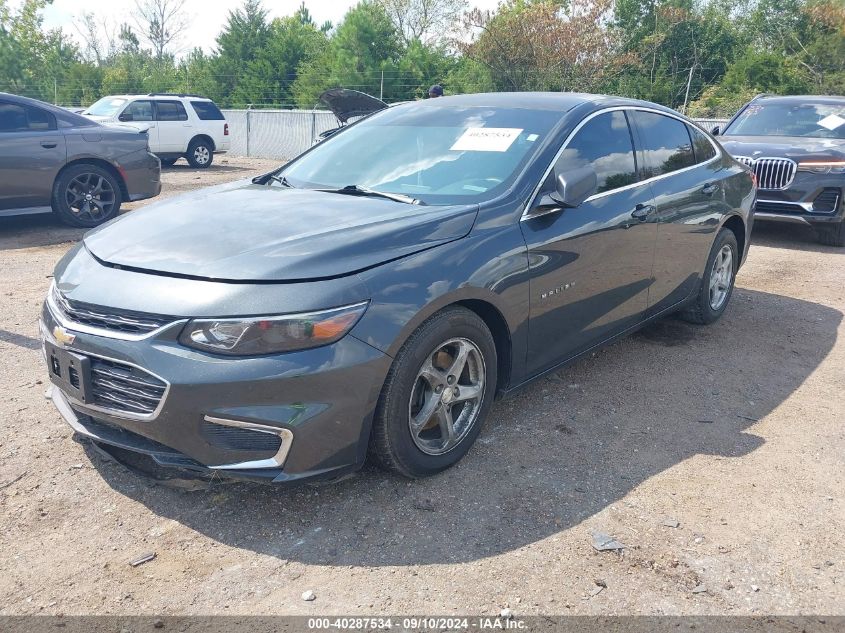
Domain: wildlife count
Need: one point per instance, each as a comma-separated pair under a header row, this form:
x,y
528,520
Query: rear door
x,y
590,266
174,128
685,176
32,151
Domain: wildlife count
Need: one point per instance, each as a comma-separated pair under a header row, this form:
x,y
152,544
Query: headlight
x,y
253,336
823,166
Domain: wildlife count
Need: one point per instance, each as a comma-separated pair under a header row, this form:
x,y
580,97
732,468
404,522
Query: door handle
x,y
48,144
642,211
710,188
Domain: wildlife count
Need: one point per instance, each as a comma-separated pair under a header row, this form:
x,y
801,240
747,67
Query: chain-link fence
x,y
283,134
280,134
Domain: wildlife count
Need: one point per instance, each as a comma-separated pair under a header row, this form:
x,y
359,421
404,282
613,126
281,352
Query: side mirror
x,y
126,116
715,130
573,187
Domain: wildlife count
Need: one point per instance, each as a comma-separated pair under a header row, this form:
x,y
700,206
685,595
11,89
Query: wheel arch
x,y
495,322
203,137
98,162
735,224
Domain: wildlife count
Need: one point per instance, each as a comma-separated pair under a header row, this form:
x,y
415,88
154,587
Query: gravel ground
x,y
733,433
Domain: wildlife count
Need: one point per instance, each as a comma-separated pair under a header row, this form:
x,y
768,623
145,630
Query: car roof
x,y
828,99
58,112
560,101
158,96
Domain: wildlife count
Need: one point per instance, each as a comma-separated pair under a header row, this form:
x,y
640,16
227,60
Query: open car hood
x,y
248,232
345,103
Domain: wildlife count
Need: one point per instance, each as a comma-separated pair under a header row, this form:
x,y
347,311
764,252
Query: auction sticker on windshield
x,y
831,122
486,139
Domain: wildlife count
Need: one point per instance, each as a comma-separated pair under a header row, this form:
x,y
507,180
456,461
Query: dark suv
x,y
52,160
796,147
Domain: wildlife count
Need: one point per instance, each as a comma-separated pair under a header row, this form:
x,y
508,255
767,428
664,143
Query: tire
x,y
709,306
200,153
409,390
831,234
168,162
86,195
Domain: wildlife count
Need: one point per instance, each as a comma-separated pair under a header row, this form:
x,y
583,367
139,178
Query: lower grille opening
x,y
826,201
236,439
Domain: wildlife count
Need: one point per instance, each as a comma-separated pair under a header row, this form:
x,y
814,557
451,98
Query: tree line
x,y
705,57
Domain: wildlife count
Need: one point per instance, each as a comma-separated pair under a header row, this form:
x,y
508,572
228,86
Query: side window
x,y
171,111
666,143
20,118
138,111
604,143
207,111
701,145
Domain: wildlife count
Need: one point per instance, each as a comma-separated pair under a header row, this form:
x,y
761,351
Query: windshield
x,y
820,120
107,106
438,155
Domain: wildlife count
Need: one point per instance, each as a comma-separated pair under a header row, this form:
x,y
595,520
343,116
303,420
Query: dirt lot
x,y
734,431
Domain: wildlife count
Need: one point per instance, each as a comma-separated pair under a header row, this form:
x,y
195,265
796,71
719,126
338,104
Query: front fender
x,y
489,266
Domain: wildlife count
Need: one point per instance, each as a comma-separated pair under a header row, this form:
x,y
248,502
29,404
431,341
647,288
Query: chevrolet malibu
x,y
373,296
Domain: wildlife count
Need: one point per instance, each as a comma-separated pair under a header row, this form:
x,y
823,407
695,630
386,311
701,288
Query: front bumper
x,y
283,418
810,199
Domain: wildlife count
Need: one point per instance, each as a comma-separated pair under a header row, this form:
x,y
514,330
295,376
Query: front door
x,y
591,266
32,151
140,114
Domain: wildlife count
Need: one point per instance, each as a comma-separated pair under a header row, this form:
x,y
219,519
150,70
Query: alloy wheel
x,y
90,196
720,277
447,395
201,154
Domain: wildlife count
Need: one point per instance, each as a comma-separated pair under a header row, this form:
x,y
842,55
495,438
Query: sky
x,y
205,17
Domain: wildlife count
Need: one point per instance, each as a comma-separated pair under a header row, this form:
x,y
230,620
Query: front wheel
x,y
436,396
717,282
86,196
200,153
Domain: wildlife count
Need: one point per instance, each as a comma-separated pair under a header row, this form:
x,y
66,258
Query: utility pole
x,y
381,89
689,81
55,92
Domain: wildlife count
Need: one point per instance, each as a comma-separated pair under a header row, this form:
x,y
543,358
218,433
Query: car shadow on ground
x,y
216,167
797,237
560,451
34,231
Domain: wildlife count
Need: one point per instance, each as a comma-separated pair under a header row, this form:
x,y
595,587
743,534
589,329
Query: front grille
x,y
123,388
826,201
772,173
239,439
108,318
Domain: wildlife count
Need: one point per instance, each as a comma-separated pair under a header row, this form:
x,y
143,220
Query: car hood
x,y
346,104
248,232
794,147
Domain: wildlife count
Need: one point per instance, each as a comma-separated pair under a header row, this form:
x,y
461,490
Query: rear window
x,y
207,111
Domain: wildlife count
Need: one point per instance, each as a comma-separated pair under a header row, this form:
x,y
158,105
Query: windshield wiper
x,y
356,190
282,180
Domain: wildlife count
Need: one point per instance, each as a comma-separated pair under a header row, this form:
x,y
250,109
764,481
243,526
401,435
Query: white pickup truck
x,y
178,125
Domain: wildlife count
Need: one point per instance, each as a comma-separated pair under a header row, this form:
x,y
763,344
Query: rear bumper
x,y
142,175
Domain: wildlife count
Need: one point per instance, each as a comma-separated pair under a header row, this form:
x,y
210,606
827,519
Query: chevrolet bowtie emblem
x,y
63,337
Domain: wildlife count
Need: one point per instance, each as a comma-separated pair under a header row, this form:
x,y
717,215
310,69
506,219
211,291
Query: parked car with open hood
x,y
179,125
372,296
55,161
796,147
347,104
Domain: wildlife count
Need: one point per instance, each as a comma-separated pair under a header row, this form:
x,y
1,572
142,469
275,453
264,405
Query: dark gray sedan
x,y
374,295
796,147
52,160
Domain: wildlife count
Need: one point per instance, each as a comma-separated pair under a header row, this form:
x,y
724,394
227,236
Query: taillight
x,y
225,129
